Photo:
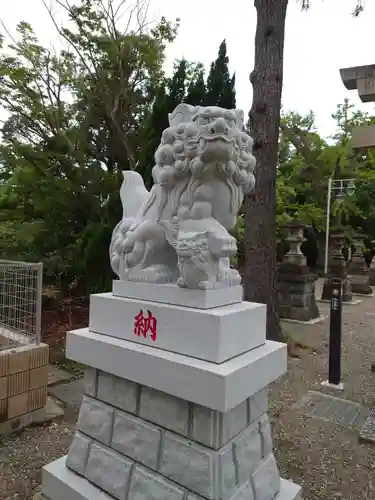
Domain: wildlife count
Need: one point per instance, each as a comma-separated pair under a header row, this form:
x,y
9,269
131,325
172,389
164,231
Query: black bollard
x,y
335,328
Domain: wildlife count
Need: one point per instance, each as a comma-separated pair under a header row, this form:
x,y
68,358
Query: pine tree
x,y
185,85
155,123
220,85
166,100
177,84
196,93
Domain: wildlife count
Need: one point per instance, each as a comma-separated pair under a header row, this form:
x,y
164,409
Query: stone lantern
x,y
296,282
337,267
295,239
358,271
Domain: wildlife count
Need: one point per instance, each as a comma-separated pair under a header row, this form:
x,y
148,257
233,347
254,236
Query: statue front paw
x,y
181,283
236,277
205,285
230,247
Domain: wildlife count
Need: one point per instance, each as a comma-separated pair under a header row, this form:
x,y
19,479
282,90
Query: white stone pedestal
x,y
214,334
158,424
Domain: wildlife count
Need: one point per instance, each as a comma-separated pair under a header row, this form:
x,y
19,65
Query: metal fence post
x,y
38,307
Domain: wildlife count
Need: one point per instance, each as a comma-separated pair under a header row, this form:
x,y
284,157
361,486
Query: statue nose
x,y
219,126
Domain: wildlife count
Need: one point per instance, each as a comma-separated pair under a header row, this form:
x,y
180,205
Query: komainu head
x,y
205,141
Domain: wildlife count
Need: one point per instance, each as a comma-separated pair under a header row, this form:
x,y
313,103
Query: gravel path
x,y
323,456
22,457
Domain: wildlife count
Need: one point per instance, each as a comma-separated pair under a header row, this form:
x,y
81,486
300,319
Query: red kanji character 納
x,y
145,324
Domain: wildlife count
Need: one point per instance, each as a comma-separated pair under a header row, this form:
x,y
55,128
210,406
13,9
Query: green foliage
x,y
196,92
220,85
173,91
187,84
239,233
74,119
306,162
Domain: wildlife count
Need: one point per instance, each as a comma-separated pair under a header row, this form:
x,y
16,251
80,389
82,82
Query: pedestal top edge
x,y
216,386
170,293
155,303
220,369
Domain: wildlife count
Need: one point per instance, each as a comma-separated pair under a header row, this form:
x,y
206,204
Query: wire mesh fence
x,y
20,303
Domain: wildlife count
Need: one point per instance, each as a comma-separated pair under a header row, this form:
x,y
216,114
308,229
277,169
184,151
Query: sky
x,y
318,43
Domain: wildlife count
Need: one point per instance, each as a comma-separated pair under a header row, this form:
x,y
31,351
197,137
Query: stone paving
x,y
341,411
367,432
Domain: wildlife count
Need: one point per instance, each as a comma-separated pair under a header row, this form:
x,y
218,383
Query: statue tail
x,y
133,194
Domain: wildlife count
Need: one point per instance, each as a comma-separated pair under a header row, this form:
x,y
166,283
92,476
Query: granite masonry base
x,y
368,295
359,277
175,401
133,442
296,286
63,484
23,382
347,295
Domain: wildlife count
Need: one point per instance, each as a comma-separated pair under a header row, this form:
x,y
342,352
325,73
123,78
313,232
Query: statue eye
x,y
203,120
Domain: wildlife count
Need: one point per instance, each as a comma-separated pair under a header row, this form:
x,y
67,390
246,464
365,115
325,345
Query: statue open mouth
x,y
216,148
217,137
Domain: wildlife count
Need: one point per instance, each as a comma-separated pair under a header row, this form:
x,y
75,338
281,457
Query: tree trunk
x,y
260,207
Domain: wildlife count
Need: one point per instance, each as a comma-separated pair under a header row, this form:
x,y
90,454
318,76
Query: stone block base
x,y
300,314
347,296
23,380
133,442
297,295
160,425
60,483
360,284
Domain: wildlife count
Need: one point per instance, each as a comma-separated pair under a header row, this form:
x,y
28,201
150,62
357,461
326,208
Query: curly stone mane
x,y
178,160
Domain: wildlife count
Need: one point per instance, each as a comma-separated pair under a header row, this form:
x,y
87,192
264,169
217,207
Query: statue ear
x,y
183,113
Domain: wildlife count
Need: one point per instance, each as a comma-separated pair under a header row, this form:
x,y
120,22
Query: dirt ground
x,y
56,321
325,458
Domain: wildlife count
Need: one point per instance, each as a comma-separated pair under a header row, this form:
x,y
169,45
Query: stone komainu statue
x,y
178,232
